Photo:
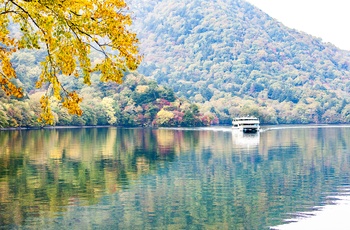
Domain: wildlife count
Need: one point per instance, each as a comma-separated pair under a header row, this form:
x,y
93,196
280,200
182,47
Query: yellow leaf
x,y
66,31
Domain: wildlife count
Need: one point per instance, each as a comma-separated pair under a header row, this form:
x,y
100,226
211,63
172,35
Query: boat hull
x,y
250,130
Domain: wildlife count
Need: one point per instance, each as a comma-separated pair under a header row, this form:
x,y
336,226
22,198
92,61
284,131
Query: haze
x,y
325,19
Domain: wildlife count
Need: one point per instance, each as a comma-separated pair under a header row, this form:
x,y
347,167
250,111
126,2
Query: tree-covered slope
x,y
234,59
139,101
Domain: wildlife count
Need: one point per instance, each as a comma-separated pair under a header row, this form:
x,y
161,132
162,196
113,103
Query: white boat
x,y
246,124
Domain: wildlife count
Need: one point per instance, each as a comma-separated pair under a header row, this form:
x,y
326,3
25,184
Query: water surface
x,y
206,178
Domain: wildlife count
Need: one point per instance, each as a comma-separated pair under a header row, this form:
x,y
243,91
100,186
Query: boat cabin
x,y
246,124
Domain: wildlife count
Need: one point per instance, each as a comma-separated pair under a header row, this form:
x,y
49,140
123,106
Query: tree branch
x,y
27,13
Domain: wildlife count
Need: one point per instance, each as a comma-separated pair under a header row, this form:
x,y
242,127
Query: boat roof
x,y
246,118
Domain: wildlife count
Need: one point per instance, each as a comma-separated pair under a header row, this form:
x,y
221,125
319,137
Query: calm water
x,y
209,178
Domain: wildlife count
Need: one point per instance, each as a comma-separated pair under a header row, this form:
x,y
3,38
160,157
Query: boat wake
x,y
282,127
262,128
211,128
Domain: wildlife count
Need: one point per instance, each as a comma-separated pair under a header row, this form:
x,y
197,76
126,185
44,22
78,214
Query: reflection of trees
x,y
247,189
48,170
52,170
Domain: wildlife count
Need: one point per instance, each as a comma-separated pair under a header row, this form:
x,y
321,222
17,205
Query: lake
x,y
200,178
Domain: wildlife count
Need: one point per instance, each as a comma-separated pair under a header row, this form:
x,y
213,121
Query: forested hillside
x,y
234,59
214,60
139,101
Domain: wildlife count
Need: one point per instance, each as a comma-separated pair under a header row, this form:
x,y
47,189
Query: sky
x,y
326,19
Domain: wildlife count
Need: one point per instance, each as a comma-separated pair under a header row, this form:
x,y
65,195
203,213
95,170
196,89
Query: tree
x,y
68,30
107,104
188,119
164,118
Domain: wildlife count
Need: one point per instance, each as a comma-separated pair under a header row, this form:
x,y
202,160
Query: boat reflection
x,y
242,139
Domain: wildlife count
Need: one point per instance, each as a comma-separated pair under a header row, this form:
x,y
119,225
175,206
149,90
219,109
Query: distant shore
x,y
267,127
55,127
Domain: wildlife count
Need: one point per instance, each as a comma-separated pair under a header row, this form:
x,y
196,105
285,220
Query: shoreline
x,y
267,127
56,127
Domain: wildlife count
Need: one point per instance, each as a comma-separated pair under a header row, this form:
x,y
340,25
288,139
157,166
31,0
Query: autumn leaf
x,y
68,30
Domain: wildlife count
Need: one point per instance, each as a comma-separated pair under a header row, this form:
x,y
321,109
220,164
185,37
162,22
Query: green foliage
x,y
138,102
229,58
14,113
230,51
189,119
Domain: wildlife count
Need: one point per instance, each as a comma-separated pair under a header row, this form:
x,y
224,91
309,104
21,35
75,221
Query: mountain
x,y
228,57
233,59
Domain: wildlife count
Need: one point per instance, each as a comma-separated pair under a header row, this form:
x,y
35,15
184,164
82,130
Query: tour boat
x,y
246,124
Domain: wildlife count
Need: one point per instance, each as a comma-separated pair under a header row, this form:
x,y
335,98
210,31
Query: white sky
x,y
327,19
